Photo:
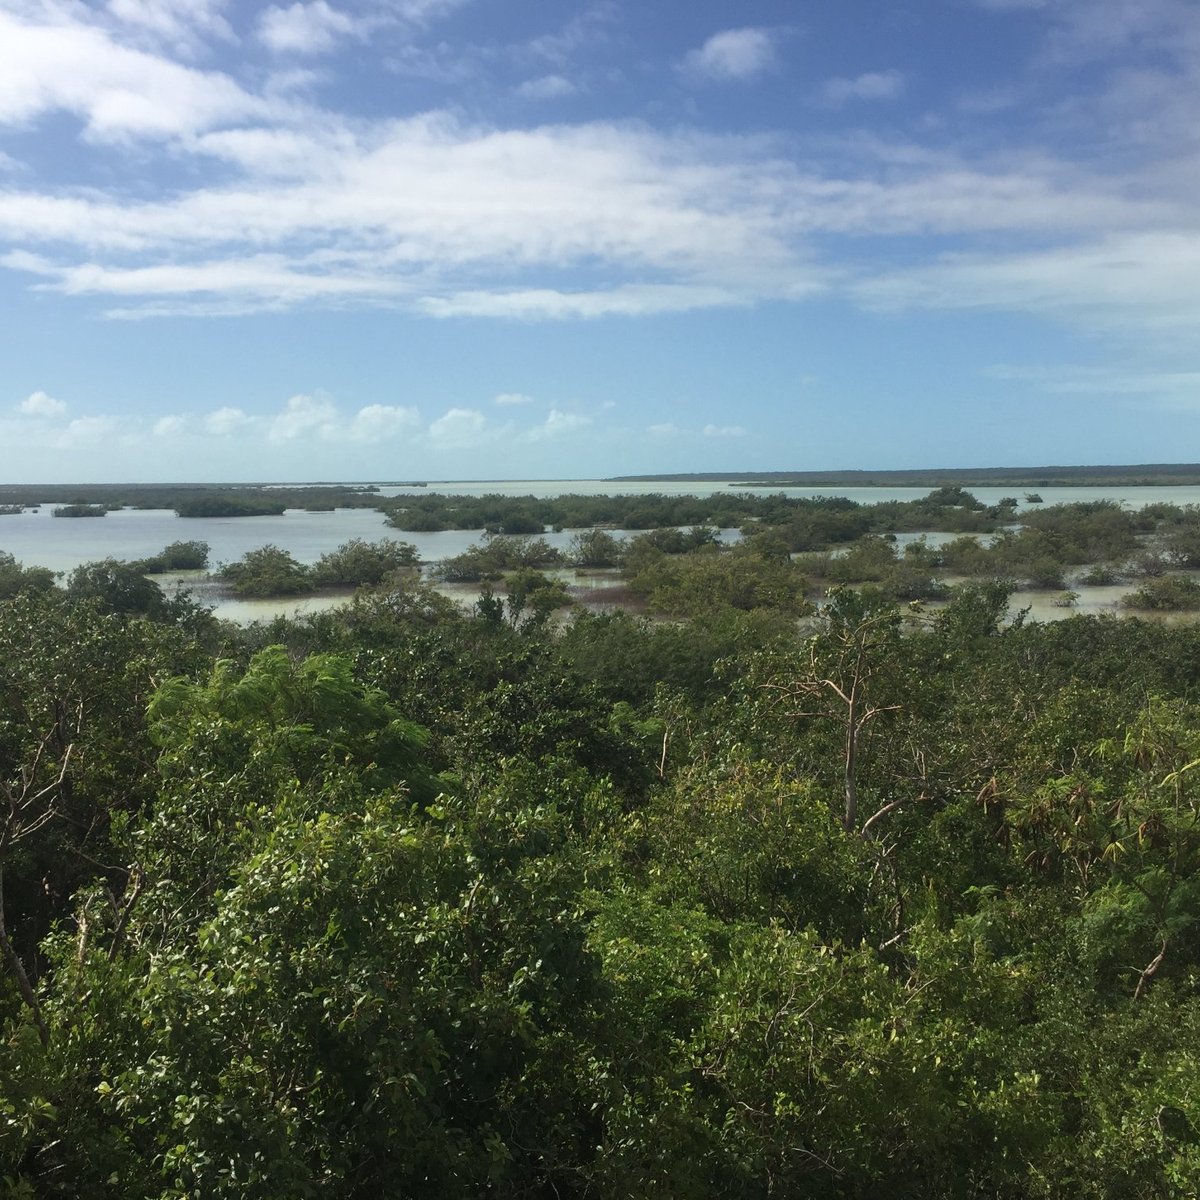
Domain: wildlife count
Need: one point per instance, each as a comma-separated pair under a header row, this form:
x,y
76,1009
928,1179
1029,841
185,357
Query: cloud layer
x,y
268,199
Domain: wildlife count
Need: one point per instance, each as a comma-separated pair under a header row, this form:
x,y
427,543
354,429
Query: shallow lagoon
x,y
36,538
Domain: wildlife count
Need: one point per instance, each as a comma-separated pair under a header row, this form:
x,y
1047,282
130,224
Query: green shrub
x,y
265,572
1168,593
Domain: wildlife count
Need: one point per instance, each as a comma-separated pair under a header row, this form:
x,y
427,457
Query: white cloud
x,y
169,427
316,26
181,25
116,91
39,404
513,398
279,204
1011,5
88,431
458,429
307,417
378,422
312,28
226,421
429,200
737,54
546,87
875,85
303,414
268,279
586,29
1124,283
556,424
664,430
422,12
537,304
409,212
724,431
1091,30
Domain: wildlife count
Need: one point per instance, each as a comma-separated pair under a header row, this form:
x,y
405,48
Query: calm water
x,y
38,539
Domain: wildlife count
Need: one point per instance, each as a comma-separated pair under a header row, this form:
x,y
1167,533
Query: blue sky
x,y
351,239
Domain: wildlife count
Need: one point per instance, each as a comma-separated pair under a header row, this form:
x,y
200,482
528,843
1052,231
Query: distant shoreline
x,y
1112,475
1140,475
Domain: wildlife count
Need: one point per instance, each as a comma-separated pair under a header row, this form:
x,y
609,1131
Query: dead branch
x,y
1149,971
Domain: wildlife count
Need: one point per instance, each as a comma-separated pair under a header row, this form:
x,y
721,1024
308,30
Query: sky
x,y
488,239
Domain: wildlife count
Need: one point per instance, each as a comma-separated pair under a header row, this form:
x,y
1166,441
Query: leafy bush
x,y
178,556
689,585
15,578
118,587
595,548
489,560
357,563
1168,593
268,571
1100,575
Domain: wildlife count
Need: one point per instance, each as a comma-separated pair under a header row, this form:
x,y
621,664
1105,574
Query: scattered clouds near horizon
x,y
39,404
733,55
169,427
222,422
307,418
669,429
556,424
459,429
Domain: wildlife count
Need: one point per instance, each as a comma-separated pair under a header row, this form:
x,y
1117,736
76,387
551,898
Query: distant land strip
x,y
1139,475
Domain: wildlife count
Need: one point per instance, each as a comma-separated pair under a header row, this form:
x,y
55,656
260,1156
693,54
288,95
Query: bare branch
x,y
883,812
18,969
1149,971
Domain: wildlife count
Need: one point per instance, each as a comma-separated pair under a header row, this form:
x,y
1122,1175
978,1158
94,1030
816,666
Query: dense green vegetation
x,y
405,900
16,578
178,556
357,563
176,496
230,506
270,571
80,510
828,519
